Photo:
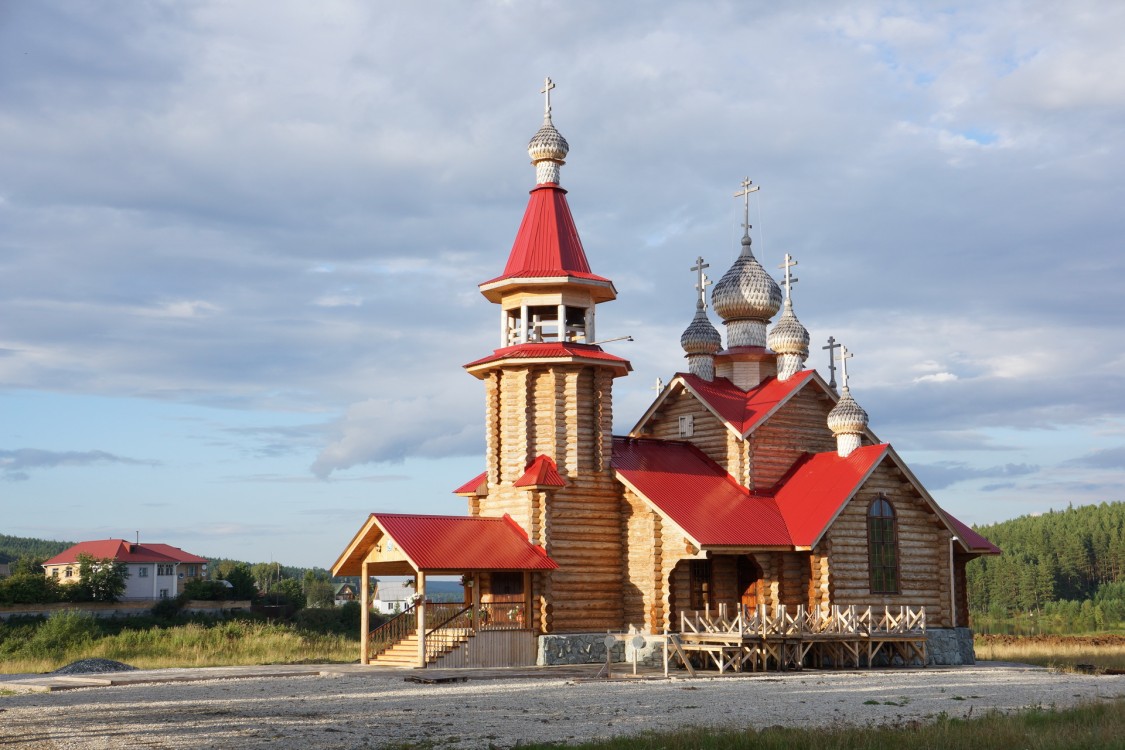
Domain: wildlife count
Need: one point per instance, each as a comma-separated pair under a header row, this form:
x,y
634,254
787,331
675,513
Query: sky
x,y
240,243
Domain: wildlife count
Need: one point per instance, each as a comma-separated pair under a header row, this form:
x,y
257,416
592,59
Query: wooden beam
x,y
364,614
420,589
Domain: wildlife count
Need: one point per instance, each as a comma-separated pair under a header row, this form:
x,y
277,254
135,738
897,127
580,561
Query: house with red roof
x,y
751,487
155,571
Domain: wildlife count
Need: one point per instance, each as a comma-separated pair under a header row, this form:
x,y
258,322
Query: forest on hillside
x,y
13,548
1066,567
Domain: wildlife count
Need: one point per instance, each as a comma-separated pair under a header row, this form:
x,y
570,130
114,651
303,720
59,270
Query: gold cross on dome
x,y
703,282
744,193
790,279
548,84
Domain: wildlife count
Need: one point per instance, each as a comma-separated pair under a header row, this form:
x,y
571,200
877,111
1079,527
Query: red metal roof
x,y
816,491
542,472
127,552
551,350
547,243
744,410
463,543
474,486
697,494
971,539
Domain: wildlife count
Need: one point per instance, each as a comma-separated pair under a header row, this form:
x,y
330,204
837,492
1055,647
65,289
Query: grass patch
x,y
1058,651
70,637
1094,725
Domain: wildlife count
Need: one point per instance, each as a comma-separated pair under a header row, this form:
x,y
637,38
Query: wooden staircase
x,y
404,653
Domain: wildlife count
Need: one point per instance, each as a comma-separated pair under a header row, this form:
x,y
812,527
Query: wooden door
x,y
749,579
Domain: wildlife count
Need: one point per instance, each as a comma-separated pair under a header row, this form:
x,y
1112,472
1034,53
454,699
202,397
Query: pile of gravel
x,y
94,666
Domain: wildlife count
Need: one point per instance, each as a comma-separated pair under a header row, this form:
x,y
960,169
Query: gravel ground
x,y
360,710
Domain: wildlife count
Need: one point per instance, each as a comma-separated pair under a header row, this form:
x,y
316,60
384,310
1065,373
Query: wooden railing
x,y
402,625
801,621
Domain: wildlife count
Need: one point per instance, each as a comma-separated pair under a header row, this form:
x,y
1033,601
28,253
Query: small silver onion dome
x,y
847,417
788,336
700,337
746,291
548,143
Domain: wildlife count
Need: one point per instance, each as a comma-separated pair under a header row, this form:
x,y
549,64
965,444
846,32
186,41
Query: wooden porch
x,y
752,639
493,634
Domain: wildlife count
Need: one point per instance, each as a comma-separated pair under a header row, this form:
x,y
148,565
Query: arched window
x,y
882,546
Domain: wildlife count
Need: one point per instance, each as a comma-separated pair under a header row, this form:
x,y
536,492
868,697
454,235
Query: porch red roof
x,y
744,410
126,552
551,350
818,488
697,494
542,472
547,243
463,543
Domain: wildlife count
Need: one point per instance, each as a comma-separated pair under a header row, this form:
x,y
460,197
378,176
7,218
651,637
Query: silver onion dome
x,y
788,336
746,291
700,337
847,417
547,143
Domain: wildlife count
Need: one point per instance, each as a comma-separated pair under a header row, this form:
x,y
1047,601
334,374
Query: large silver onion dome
x,y
847,417
746,291
548,143
788,336
700,337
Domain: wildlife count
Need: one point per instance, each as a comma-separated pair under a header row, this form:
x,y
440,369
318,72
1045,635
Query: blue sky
x,y
240,243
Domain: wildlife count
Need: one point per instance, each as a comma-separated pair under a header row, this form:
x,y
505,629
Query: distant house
x,y
345,592
392,596
5,570
156,571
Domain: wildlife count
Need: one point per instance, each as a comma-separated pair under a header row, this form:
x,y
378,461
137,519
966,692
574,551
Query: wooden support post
x,y
420,590
364,614
476,602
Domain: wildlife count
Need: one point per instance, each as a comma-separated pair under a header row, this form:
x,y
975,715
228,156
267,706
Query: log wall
x,y
798,427
710,434
643,565
923,550
563,411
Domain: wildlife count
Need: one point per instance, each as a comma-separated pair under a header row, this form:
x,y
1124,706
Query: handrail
x,y
449,619
393,630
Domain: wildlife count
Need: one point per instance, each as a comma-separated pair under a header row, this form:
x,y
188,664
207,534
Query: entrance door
x,y
749,577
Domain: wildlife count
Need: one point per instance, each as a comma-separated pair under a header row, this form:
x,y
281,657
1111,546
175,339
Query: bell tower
x,y
549,406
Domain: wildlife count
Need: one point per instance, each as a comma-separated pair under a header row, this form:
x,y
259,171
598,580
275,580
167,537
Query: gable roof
x,y
542,472
393,591
696,494
475,486
971,540
453,543
741,411
126,552
819,487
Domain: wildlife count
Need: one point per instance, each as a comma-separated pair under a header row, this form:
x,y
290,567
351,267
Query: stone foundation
x,y
950,646
577,648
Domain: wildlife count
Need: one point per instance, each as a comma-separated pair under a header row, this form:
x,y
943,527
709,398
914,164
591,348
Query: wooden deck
x,y
837,637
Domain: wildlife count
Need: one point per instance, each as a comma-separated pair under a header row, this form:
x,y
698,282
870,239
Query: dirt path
x,y
370,709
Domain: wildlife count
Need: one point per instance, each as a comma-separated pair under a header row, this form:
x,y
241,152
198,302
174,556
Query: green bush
x,y
167,609
62,631
28,588
322,620
207,591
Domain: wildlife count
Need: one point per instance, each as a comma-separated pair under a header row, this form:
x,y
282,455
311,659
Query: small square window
x,y
687,425
142,572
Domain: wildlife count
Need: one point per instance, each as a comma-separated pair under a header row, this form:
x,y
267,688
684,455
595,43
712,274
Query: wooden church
x,y
750,498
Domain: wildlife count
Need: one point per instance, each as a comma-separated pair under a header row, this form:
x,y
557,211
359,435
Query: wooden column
x,y
527,599
420,590
364,615
476,602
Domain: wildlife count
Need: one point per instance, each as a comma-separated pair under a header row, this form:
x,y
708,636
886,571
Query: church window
x,y
882,546
687,425
700,584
